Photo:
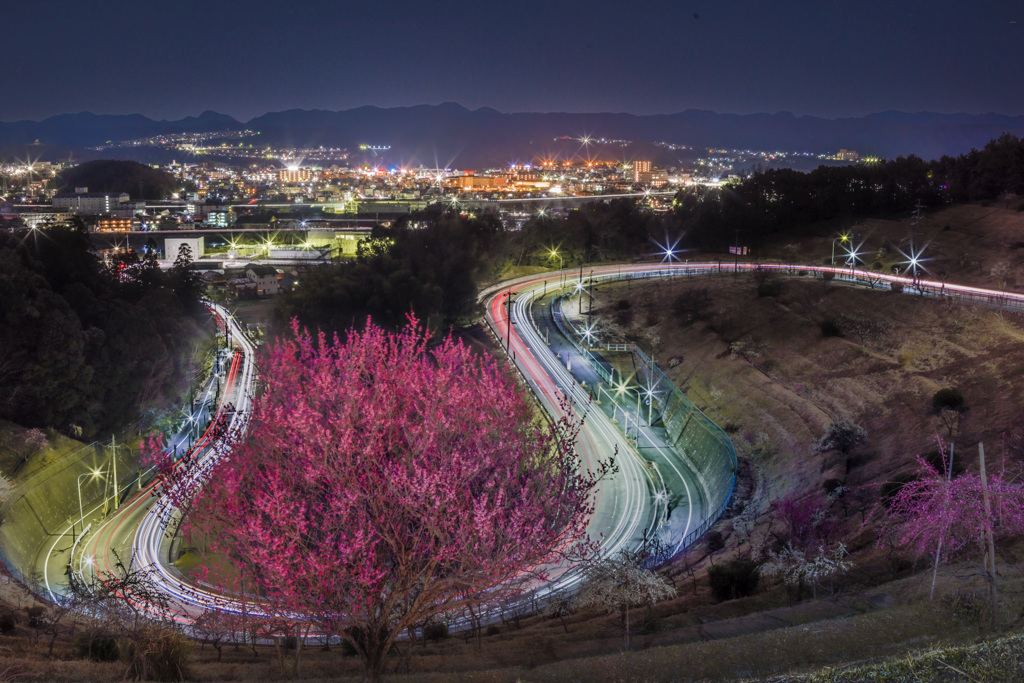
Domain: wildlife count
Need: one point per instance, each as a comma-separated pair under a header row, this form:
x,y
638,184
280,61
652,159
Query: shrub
x,y
692,305
623,304
828,276
624,318
841,436
7,622
435,630
714,541
492,630
831,485
948,399
830,328
36,617
736,579
97,646
896,286
770,288
158,654
348,649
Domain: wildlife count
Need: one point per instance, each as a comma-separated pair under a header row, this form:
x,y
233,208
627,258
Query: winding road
x,y
656,494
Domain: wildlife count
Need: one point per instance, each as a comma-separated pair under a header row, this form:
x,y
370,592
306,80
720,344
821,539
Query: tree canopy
x,y
428,264
85,344
109,175
385,482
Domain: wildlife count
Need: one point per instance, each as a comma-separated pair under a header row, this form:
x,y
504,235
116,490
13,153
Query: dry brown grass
x,y
779,399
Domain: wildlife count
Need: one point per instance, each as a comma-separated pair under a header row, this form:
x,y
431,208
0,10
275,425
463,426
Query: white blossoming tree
x,y
618,583
797,568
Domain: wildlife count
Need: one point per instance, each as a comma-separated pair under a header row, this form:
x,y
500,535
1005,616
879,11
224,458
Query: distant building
x,y
128,209
114,224
38,219
656,178
474,182
294,175
243,287
90,203
264,277
847,155
640,169
222,219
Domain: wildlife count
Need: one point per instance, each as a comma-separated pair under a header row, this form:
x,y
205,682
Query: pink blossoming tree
x,y
385,481
941,515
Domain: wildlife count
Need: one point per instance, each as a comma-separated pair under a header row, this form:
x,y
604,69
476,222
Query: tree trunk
x,y
626,609
477,628
990,549
280,655
376,648
938,553
298,649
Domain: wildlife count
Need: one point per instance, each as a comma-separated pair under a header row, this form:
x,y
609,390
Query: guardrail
x,y
697,439
692,436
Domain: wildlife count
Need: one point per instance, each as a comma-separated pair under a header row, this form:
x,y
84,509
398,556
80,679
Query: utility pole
x,y
113,458
590,308
736,256
990,548
580,310
508,321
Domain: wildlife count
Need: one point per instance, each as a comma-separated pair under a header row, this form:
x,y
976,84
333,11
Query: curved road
x,y
629,505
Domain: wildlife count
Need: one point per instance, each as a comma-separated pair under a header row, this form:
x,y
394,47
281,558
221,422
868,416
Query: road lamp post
x,y
81,510
649,394
554,253
581,287
842,238
92,570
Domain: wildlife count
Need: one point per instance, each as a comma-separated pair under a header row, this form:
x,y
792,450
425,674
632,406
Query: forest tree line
x,y
88,347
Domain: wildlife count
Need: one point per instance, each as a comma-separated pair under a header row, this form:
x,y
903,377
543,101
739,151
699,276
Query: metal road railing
x,y
691,435
697,440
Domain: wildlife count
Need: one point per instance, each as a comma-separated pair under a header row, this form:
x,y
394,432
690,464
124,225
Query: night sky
x,y
173,59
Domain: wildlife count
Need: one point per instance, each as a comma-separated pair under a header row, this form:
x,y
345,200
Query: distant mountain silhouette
x,y
86,129
449,133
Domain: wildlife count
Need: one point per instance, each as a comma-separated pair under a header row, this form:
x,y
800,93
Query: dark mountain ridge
x,y
450,133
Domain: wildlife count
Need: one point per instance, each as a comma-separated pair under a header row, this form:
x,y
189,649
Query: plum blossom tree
x,y
385,481
620,582
943,515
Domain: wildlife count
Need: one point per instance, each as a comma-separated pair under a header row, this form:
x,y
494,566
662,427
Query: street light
x,y
649,393
580,287
81,511
842,238
92,569
554,253
588,333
